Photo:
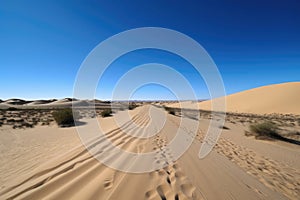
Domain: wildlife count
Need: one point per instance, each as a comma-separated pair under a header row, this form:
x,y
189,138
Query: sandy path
x,y
231,171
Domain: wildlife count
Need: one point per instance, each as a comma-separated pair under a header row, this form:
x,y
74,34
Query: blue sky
x,y
43,43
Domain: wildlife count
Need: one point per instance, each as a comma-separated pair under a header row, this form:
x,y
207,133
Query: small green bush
x,y
265,130
65,117
106,113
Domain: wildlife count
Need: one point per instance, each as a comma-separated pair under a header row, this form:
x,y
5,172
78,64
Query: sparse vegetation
x,y
106,113
170,110
265,130
65,117
28,125
12,109
132,106
269,130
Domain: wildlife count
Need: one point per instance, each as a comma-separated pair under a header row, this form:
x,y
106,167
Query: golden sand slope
x,y
279,98
238,168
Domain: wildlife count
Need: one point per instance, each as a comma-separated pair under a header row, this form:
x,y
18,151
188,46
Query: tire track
x,y
74,165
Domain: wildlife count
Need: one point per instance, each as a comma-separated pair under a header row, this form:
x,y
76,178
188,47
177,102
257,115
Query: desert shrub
x,y
171,111
106,113
65,117
12,109
166,108
264,130
16,126
132,106
45,123
28,125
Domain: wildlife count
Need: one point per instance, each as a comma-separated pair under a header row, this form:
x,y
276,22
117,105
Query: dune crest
x,y
281,98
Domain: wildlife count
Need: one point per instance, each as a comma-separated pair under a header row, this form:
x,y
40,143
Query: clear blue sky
x,y
43,43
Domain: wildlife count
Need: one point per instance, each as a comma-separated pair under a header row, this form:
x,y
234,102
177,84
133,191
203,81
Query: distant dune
x,y
20,103
278,98
56,103
39,102
15,101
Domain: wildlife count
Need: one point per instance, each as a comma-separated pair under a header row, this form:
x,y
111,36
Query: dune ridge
x,y
281,98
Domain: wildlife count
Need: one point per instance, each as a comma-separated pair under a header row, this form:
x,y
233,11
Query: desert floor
x,y
48,162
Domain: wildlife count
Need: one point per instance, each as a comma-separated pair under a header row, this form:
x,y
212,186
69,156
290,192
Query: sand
x,y
51,163
51,103
278,98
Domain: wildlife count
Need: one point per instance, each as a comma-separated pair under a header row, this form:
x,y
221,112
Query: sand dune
x,y
65,100
16,101
39,102
279,98
51,103
238,168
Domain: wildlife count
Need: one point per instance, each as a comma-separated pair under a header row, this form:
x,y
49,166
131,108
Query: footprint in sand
x,y
188,189
108,183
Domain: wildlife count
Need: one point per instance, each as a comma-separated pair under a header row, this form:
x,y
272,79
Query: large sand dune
x,y
238,167
279,98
